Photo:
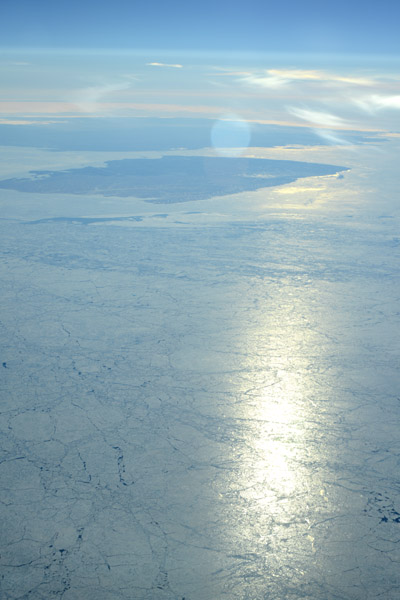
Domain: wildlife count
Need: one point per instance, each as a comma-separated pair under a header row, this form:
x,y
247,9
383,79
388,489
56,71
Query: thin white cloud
x,y
274,78
88,99
374,103
158,64
316,117
322,76
331,137
268,79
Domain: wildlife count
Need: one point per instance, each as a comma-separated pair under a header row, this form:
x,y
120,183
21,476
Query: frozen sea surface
x,y
202,404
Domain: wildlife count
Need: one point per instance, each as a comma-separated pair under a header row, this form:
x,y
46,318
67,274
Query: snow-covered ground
x,y
201,401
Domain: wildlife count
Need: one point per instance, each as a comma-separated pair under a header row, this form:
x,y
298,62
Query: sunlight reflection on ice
x,y
277,411
281,411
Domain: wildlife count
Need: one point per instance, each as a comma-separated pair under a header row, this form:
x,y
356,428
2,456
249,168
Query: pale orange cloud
x,y
68,108
30,108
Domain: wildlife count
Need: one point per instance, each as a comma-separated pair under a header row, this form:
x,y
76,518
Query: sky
x,y
331,67
254,25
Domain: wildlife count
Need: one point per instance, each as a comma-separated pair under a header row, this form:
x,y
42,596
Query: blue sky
x,y
253,25
330,67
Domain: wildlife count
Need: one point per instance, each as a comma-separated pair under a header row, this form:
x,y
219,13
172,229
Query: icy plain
x,y
200,401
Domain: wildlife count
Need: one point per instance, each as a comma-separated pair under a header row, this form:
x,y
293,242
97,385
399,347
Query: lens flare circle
x,y
230,135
